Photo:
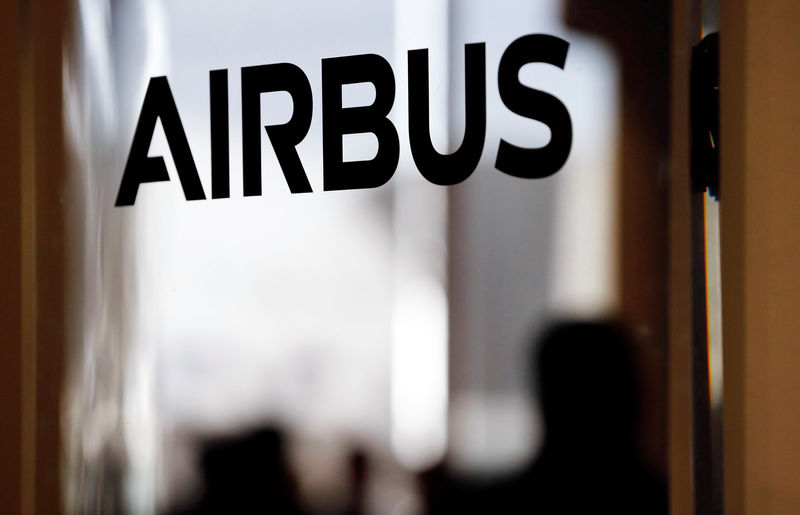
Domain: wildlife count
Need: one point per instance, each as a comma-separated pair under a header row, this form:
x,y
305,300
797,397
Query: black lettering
x,y
220,151
158,103
265,79
534,163
452,168
337,121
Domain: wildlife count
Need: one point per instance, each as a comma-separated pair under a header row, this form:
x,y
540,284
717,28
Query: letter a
x,y
158,103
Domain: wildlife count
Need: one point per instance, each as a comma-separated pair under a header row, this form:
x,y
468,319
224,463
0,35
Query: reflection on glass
x,y
390,322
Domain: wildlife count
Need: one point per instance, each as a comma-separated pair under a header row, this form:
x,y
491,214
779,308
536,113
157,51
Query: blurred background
x,y
362,338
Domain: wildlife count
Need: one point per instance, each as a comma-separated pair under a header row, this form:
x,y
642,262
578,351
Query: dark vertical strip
x,y
48,20
11,260
705,139
220,151
251,134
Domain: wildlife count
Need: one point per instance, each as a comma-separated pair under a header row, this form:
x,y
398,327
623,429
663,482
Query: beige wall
x,y
760,216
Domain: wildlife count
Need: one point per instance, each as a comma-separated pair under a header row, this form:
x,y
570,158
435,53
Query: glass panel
x,y
294,320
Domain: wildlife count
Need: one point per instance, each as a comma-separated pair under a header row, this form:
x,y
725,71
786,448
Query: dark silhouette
x,y
247,474
589,463
586,383
359,477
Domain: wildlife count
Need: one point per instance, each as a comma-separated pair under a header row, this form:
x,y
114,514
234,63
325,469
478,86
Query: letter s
x,y
534,163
